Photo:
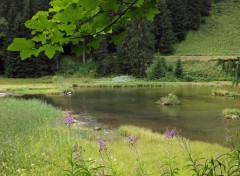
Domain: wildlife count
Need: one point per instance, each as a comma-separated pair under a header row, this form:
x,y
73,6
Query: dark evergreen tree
x,y
3,25
206,6
194,14
157,70
16,14
178,71
164,34
105,61
178,10
137,49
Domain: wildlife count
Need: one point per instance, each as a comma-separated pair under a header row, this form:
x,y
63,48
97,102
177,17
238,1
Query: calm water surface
x,y
198,116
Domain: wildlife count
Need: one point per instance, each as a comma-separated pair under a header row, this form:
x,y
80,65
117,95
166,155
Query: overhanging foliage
x,y
74,21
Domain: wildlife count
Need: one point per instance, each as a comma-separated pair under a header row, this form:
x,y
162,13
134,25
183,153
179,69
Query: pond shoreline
x,y
4,94
57,87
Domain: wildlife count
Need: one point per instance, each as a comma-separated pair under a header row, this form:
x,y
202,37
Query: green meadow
x,y
35,141
217,35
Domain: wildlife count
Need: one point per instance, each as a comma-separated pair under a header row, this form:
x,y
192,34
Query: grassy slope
x,y
34,141
219,36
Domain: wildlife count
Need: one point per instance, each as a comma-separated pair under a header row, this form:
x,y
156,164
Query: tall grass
x,y
30,140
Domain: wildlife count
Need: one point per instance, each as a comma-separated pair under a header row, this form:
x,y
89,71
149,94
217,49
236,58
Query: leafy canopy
x,y
79,22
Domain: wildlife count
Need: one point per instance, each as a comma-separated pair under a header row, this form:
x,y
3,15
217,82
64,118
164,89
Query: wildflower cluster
x,y
132,139
78,152
69,120
223,164
170,133
102,145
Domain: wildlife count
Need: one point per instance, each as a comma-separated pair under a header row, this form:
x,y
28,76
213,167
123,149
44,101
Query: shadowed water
x,y
198,116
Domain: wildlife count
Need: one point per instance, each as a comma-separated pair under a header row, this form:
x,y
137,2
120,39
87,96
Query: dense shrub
x,y
188,78
157,69
70,67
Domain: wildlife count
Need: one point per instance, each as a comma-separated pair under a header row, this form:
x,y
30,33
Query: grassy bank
x,y
57,84
35,141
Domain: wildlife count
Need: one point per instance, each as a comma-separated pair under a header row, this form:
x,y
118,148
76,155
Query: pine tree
x,y
178,11
3,25
194,14
206,6
178,71
137,49
105,62
157,70
17,13
164,35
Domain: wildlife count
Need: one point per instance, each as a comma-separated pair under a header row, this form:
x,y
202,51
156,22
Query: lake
x,y
198,116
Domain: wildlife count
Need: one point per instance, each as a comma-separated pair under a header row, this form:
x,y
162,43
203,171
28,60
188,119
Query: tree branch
x,y
112,23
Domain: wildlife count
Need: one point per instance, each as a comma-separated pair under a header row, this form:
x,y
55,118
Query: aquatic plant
x,y
225,93
171,99
231,113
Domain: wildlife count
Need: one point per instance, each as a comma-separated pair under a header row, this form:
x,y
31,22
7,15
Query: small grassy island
x,y
169,100
231,113
225,93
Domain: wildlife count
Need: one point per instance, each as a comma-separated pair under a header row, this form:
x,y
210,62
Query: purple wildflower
x,y
69,120
170,134
132,138
76,155
102,144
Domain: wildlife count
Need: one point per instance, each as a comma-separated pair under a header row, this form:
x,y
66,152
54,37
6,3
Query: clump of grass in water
x,y
169,100
225,93
231,113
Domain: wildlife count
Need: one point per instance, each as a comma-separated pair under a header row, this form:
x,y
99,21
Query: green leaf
x,y
95,43
68,28
151,14
26,47
24,54
110,5
100,21
40,38
79,50
39,23
117,39
58,37
20,44
50,50
89,4
139,3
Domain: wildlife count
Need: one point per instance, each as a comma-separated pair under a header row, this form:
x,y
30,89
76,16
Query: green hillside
x,y
219,35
